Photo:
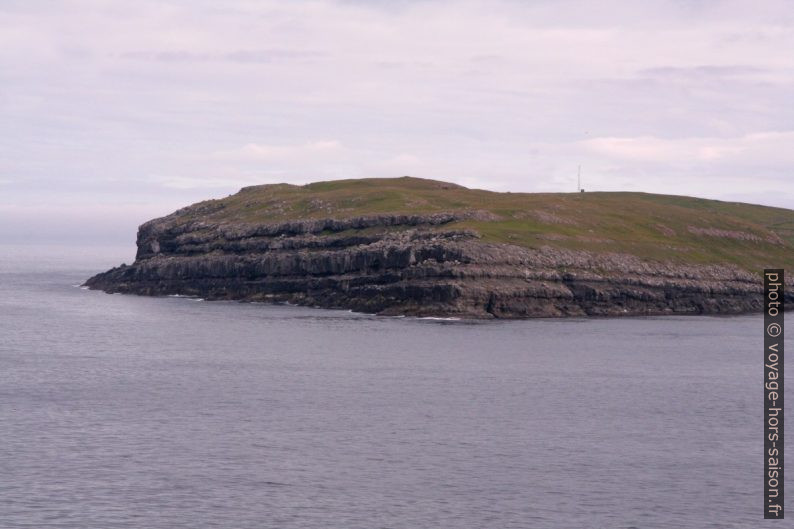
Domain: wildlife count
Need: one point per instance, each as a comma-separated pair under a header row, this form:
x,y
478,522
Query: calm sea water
x,y
124,411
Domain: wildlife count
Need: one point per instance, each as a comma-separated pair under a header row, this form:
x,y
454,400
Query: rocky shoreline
x,y
412,265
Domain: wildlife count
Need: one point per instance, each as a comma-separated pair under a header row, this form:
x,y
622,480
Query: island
x,y
418,247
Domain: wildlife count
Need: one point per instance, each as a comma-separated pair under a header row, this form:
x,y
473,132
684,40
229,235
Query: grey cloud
x,y
263,56
166,56
239,56
704,71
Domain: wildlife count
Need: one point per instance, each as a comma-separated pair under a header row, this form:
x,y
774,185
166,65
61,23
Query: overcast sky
x,y
117,112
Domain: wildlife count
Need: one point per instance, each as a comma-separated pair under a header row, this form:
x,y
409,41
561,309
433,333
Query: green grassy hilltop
x,y
658,227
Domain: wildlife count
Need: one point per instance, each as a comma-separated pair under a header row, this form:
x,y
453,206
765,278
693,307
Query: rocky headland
x,y
425,248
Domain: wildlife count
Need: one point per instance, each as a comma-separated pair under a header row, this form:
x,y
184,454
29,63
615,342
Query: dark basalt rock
x,y
408,264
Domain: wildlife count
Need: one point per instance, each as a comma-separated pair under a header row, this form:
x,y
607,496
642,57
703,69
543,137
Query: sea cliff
x,y
427,254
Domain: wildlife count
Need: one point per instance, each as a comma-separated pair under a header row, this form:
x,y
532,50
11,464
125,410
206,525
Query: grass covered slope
x,y
670,228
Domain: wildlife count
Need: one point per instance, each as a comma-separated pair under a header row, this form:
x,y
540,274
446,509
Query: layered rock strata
x,y
413,265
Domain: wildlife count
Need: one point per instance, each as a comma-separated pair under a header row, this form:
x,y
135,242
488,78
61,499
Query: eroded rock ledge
x,y
411,264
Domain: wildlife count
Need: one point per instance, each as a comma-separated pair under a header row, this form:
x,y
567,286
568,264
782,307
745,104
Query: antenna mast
x,y
579,179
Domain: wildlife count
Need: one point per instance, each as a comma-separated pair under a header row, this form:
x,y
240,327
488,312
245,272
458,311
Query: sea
x,y
120,411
